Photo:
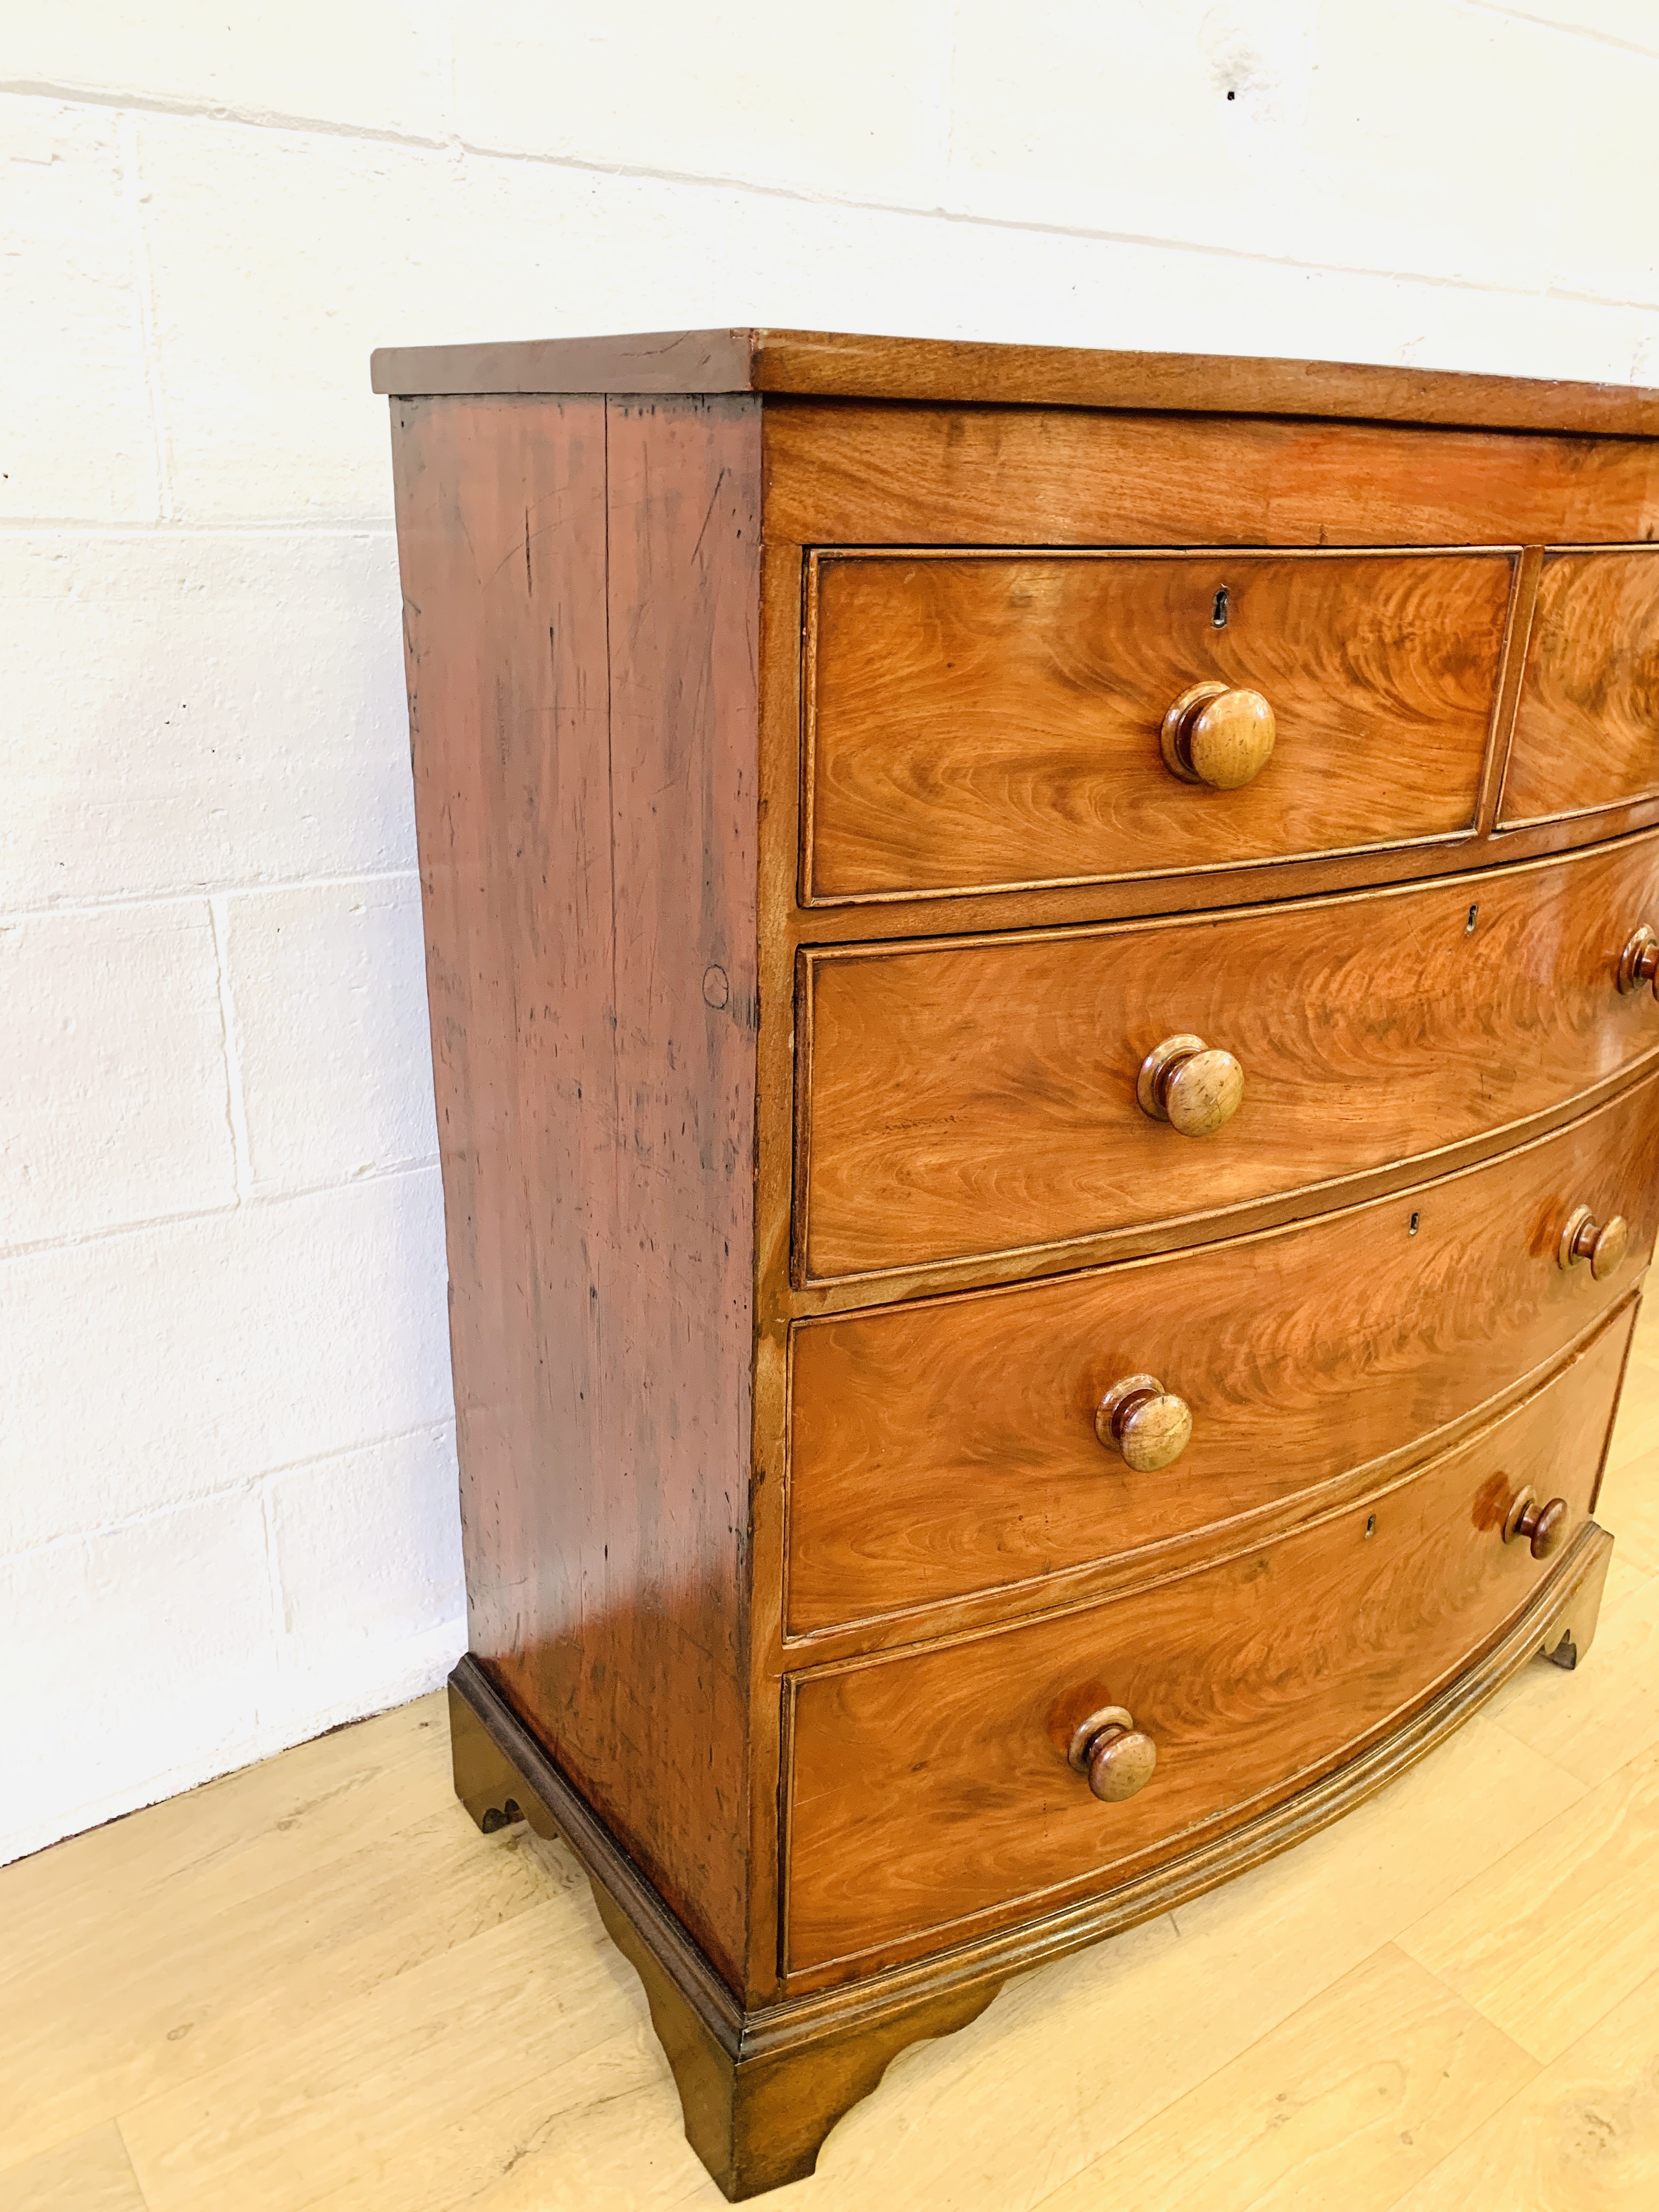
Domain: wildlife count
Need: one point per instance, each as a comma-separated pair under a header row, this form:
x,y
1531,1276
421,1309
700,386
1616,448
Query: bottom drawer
x,y
930,1794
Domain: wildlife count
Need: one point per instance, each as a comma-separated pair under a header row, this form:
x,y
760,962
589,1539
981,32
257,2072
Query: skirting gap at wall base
x,y
761,2089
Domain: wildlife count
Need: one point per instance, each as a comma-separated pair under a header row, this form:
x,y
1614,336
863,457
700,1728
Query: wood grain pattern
x,y
108,2039
976,722
1583,2137
964,1098
948,1447
1587,727
1126,898
1348,2103
843,473
779,785
579,601
93,2173
841,364
931,1790
230,2147
1555,1943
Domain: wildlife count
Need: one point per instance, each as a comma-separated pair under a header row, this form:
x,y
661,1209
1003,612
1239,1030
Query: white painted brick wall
x,y
227,1479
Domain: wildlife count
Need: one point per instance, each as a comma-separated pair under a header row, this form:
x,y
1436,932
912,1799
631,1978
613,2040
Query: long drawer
x,y
959,1099
953,1445
985,721
931,1791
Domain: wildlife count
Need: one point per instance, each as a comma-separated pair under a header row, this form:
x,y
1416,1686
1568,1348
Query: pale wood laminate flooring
x,y
315,1986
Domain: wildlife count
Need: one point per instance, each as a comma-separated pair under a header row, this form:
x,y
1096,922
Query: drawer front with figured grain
x,y
992,720
932,1791
963,1444
1587,724
969,1098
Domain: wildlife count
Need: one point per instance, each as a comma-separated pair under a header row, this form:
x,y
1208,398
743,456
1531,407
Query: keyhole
x,y
1370,1524
1468,926
1412,1229
1219,612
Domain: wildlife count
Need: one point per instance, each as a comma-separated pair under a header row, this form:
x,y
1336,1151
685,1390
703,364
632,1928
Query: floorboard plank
x,y
230,1839
378,2075
89,2174
1563,1928
1583,2137
107,2025
1348,2102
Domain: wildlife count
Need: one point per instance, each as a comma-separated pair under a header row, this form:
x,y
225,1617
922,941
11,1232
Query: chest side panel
x,y
579,606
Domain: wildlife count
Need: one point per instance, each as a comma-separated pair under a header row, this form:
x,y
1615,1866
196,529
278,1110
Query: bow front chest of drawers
x,y
1043,974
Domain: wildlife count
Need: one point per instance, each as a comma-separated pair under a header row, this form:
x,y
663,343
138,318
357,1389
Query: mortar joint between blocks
x,y
235,1100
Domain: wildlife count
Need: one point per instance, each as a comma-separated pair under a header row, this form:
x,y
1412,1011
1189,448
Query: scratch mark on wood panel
x,y
709,516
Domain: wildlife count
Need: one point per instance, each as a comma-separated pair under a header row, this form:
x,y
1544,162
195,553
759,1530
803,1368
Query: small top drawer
x,y
996,719
1587,726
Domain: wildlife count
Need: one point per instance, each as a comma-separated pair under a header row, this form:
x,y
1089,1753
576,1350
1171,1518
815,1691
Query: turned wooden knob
x,y
1603,1244
1543,1526
1215,735
1113,1753
1638,963
1148,1424
1183,1082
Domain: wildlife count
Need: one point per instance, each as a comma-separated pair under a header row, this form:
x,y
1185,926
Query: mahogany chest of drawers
x,y
1043,982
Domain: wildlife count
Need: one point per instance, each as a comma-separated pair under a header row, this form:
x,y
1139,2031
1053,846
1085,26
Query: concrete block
x,y
113,1087
1611,23
1438,137
186,709
274,253
1115,121
1607,243
137,1663
375,64
172,1362
1310,135
329,987
366,1548
80,439
852,105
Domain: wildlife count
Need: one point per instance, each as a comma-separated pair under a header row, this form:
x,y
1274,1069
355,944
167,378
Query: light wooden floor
x,y
313,1985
